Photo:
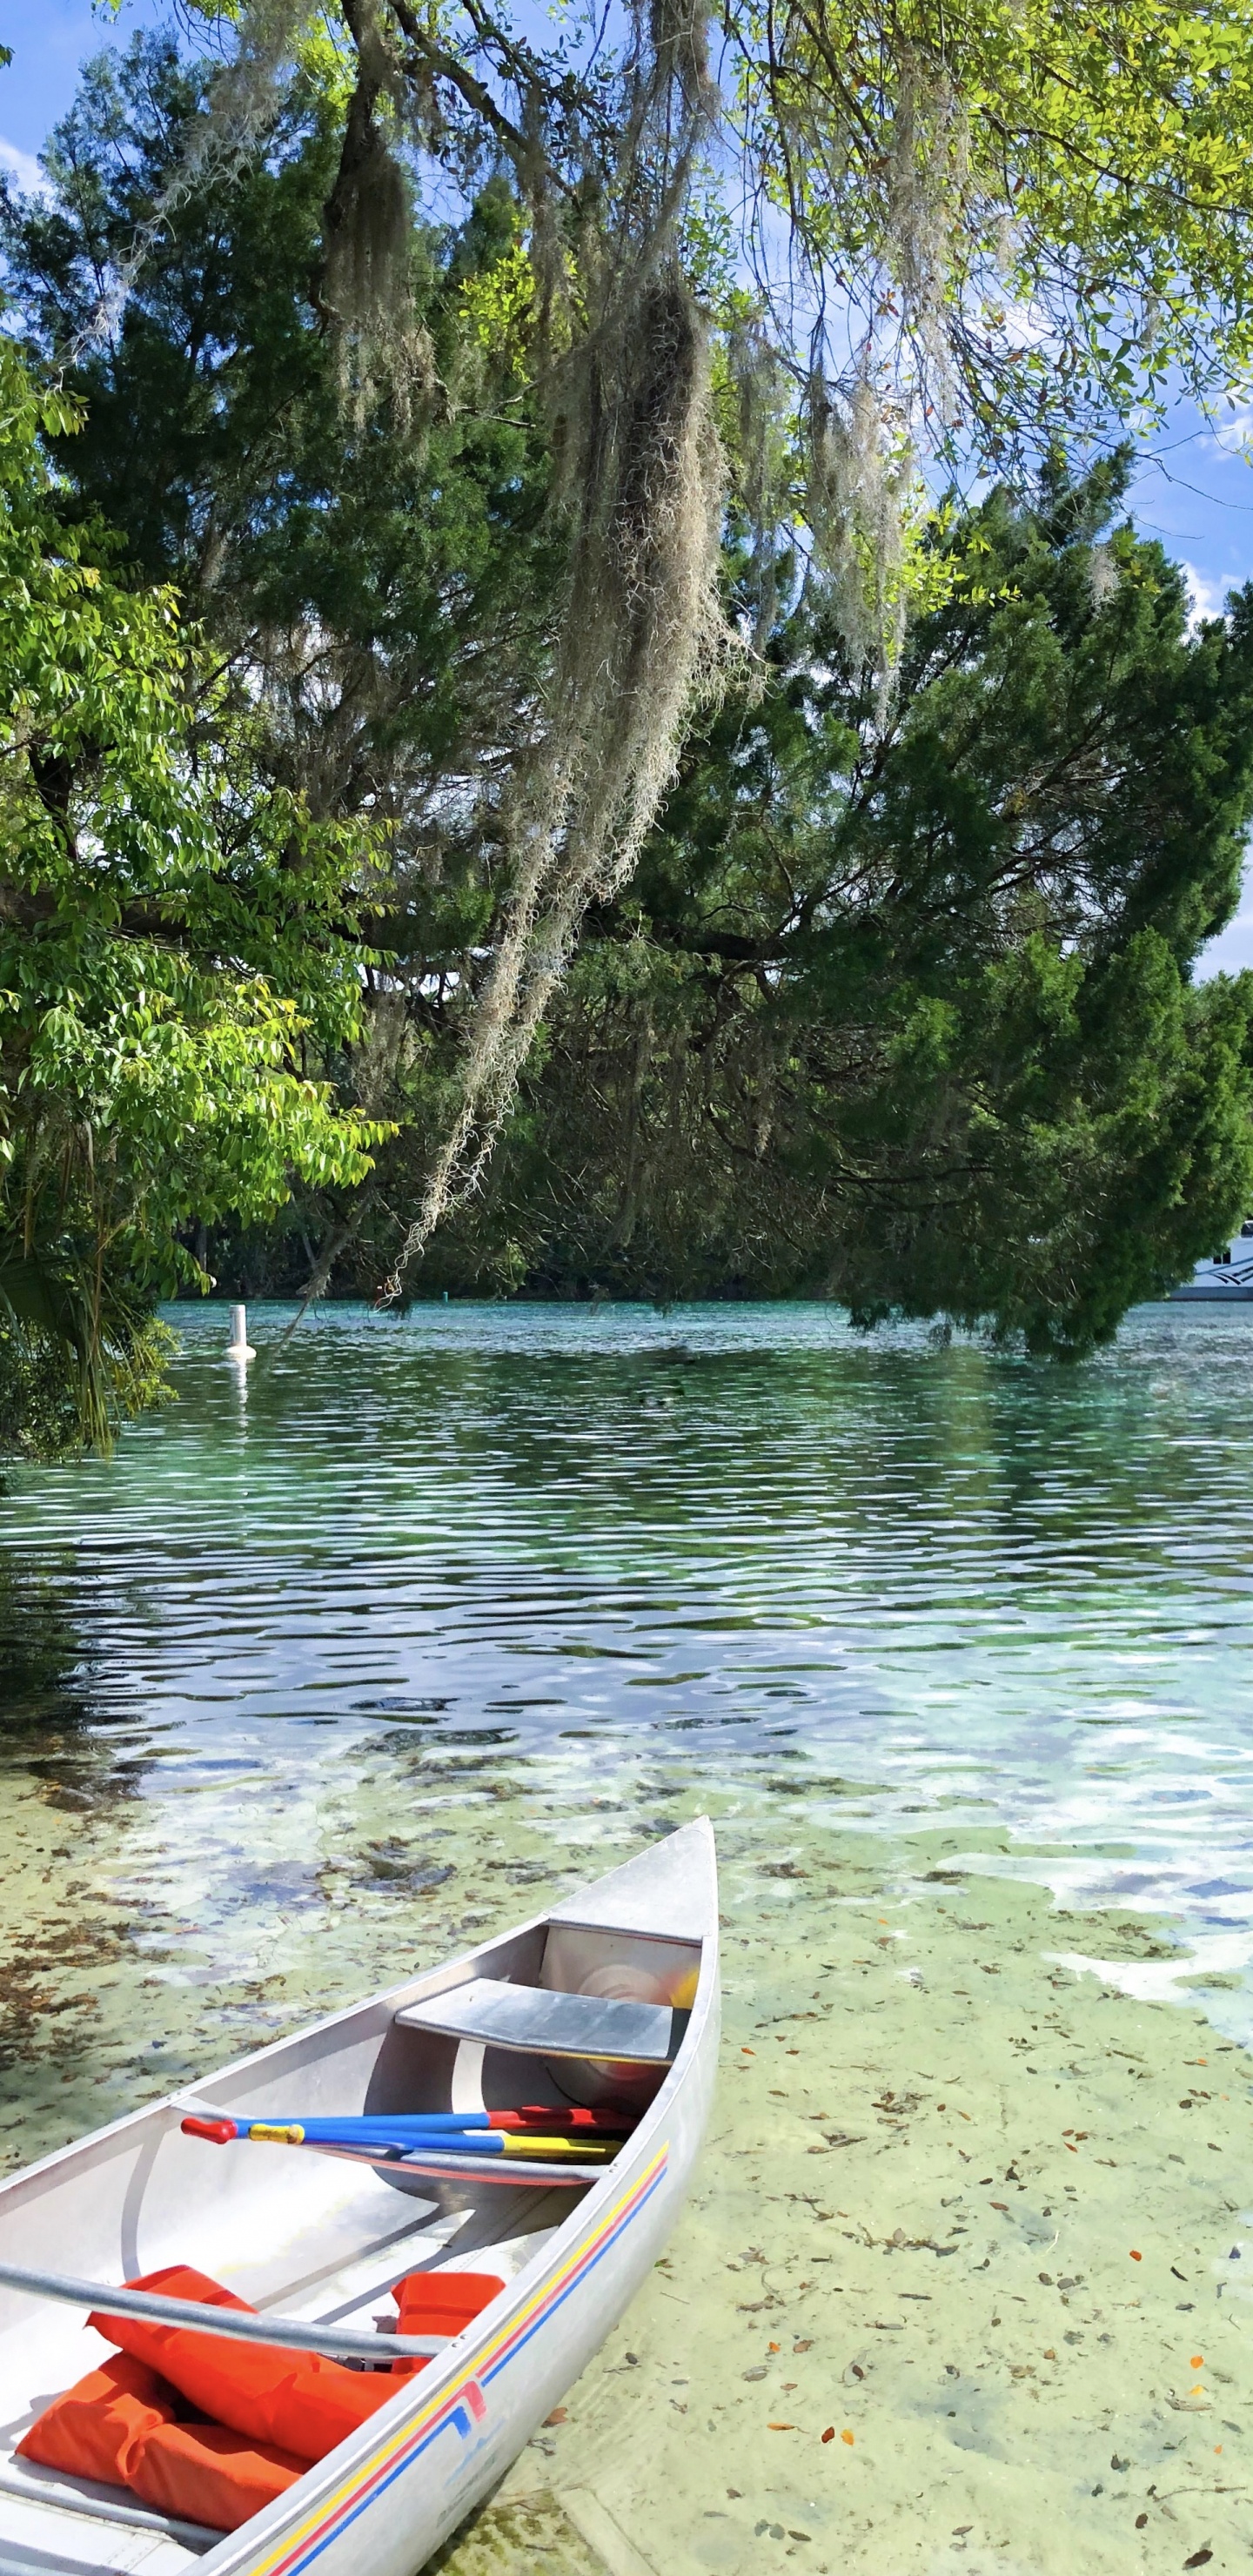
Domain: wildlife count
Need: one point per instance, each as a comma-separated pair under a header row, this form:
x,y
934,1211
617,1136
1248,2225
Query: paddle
x,y
395,2142
401,2128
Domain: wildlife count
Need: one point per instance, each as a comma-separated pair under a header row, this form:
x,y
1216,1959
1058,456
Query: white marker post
x,y
240,1348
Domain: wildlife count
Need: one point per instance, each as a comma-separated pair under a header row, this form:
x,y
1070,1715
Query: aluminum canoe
x,y
319,2239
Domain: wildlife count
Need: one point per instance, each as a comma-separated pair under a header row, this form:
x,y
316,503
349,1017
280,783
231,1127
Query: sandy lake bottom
x,y
961,2279
962,2275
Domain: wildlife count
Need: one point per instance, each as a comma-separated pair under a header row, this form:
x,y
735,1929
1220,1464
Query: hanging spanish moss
x,y
642,637
929,180
881,393
642,640
766,465
859,481
364,292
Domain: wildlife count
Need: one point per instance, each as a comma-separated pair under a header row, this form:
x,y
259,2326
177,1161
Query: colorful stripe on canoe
x,y
463,2405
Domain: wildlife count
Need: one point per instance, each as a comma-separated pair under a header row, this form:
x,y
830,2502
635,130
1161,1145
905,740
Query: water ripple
x,y
606,1551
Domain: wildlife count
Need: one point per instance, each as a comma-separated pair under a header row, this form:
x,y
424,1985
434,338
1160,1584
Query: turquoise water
x,y
572,1569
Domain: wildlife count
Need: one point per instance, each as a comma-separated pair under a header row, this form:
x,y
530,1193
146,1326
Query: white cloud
x,y
1235,438
1026,326
1206,595
23,167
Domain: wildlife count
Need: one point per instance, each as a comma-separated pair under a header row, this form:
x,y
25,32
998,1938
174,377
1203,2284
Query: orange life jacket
x,y
204,2473
299,2401
441,2303
98,2427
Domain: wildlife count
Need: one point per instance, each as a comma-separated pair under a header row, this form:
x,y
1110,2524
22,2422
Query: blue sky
x,y
49,39
1196,494
1195,491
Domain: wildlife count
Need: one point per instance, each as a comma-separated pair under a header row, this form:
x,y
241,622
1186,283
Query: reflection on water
x,y
281,1666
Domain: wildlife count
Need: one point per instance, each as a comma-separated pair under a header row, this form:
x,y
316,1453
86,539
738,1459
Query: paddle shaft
x,y
385,2123
475,2153
439,2163
343,2342
344,2128
400,2146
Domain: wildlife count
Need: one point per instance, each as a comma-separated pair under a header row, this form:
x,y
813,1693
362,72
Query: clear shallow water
x,y
569,1572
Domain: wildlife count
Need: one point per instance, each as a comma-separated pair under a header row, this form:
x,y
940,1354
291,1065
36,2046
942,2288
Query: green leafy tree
x,y
372,555
971,227
180,956
902,1013
895,1000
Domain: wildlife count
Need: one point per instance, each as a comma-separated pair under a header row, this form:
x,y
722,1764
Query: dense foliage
x,y
879,237
375,561
372,560
896,1004
900,1012
174,935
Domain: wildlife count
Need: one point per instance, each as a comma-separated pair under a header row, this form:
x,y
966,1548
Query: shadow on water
x,y
55,1727
71,1788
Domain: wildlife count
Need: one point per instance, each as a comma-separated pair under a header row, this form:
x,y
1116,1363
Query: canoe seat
x,y
542,2024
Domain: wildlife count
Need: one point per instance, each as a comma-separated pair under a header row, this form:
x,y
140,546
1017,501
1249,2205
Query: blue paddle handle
x,y
352,2124
408,2141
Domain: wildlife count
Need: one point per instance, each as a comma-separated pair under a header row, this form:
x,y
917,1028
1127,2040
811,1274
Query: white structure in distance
x,y
239,1347
1225,1275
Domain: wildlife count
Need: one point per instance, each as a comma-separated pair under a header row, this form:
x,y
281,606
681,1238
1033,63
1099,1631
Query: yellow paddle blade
x,y
517,2143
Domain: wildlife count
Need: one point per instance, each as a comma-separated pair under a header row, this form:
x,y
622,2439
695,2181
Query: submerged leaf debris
x,y
898,2327
962,2278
